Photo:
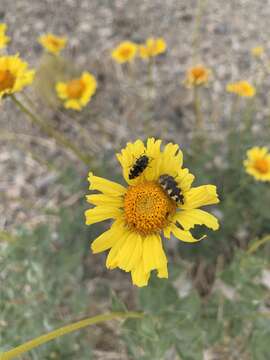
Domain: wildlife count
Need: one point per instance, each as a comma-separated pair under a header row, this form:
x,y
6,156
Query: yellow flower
x,y
14,74
4,40
241,88
257,163
152,47
257,51
77,93
143,211
52,43
124,52
197,75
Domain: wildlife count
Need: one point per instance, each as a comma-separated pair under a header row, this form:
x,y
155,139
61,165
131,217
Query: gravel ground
x,y
228,30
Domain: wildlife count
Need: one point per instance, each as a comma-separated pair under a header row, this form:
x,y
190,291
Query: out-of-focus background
x,y
227,32
48,274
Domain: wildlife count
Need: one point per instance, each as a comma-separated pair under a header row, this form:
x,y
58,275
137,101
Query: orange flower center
x,y
147,208
198,73
125,52
75,88
262,165
54,42
7,80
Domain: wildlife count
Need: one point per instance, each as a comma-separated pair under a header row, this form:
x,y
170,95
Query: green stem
x,y
151,81
254,247
197,109
29,345
50,131
196,33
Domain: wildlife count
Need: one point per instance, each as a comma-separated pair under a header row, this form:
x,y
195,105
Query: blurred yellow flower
x,y
147,207
124,52
76,93
4,40
241,88
197,75
152,47
257,163
52,43
257,51
14,74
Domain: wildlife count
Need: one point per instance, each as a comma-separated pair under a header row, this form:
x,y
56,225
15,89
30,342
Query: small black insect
x,y
168,183
139,166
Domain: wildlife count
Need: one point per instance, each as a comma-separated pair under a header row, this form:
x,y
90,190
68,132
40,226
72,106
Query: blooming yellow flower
x,y
14,74
257,163
257,51
124,52
143,211
152,47
4,40
197,75
241,88
76,93
52,43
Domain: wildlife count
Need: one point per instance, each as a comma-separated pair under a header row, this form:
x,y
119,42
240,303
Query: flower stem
x,y
253,248
50,131
29,345
201,4
197,109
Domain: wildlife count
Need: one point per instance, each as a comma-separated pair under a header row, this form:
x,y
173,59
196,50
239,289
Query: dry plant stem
x,y
50,131
29,345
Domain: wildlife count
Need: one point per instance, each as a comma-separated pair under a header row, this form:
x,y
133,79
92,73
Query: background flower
x,y
197,75
4,40
52,43
152,48
77,93
257,163
124,52
257,51
241,88
14,74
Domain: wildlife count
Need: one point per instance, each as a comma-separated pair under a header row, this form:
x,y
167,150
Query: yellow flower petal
x,y
105,186
139,276
130,253
189,218
112,258
180,234
106,240
153,254
101,199
200,196
101,213
128,157
4,40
